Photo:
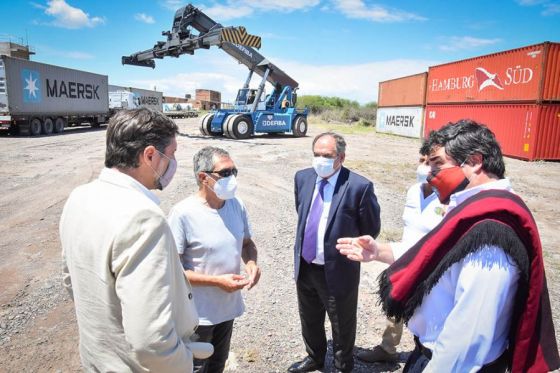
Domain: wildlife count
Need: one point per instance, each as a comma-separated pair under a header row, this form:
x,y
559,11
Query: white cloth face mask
x,y
323,166
226,187
422,172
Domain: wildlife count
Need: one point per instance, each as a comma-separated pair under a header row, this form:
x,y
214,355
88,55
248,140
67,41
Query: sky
x,y
340,48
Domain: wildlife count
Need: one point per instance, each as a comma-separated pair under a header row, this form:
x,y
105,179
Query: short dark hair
x,y
425,147
339,140
467,137
130,131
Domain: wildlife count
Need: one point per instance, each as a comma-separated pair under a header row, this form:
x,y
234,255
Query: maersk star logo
x,y
486,79
31,85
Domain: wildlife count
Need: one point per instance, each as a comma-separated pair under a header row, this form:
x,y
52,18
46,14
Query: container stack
x,y
401,104
516,93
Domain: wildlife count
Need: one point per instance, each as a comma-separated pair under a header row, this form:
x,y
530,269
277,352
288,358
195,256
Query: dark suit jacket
x,y
354,212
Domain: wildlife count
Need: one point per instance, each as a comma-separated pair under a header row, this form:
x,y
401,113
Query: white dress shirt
x,y
328,192
420,216
465,318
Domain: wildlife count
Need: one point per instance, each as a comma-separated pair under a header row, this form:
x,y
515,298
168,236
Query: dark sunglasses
x,y
226,172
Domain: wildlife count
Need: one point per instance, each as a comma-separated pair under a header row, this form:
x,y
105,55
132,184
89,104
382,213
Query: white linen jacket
x,y
133,303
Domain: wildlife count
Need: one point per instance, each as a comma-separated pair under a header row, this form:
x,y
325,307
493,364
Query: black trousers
x,y
220,336
314,302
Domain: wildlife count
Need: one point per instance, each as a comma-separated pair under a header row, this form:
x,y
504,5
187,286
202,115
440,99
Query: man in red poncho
x,y
473,290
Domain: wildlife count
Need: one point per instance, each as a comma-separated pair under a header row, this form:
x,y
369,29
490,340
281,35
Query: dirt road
x,y
38,330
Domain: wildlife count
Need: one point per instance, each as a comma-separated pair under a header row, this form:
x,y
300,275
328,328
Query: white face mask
x,y
323,166
225,187
163,180
422,172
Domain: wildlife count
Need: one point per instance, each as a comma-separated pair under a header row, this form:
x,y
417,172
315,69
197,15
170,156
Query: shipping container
x,y
129,98
405,91
528,74
35,87
524,131
403,121
39,98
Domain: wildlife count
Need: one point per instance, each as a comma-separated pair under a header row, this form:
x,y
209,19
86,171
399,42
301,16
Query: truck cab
x,y
246,97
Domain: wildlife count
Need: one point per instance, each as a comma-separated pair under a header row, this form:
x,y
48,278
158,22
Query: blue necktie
x,y
310,236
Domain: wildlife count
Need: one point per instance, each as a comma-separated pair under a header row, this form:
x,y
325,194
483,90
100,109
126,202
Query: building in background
x,y
8,48
206,99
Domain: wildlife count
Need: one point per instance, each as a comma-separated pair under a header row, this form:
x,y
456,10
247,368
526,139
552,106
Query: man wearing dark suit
x,y
331,202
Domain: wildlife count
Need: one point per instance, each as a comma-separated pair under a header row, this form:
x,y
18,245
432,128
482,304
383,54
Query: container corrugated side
x,y
147,98
402,121
551,83
38,88
525,131
516,75
547,144
405,91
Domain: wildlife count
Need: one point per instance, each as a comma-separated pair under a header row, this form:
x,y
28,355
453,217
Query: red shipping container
x,y
525,131
525,74
406,91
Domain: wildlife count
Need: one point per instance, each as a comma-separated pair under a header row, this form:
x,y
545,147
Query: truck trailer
x,y
37,98
131,98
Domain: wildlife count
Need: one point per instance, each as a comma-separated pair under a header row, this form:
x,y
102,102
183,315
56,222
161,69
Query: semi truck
x,y
253,111
130,98
37,98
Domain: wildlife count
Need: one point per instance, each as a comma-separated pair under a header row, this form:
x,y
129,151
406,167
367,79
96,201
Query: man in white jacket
x,y
134,307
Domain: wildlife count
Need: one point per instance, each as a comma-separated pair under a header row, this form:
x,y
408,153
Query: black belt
x,y
500,364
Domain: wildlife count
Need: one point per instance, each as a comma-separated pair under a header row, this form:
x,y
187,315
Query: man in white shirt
x,y
422,212
134,307
212,232
473,290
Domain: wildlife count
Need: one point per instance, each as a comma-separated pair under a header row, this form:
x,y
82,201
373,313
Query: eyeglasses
x,y
226,172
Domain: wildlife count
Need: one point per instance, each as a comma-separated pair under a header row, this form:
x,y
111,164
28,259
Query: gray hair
x,y
340,142
130,131
206,158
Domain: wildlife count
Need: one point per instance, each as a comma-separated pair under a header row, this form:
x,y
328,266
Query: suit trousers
x,y
391,335
220,336
314,301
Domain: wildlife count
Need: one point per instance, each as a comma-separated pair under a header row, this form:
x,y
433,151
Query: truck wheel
x,y
240,127
35,127
48,126
59,125
226,126
299,127
205,124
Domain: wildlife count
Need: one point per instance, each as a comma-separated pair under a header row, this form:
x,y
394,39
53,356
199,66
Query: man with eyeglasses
x,y
134,307
213,235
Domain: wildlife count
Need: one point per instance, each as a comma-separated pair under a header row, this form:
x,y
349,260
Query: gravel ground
x,y
38,330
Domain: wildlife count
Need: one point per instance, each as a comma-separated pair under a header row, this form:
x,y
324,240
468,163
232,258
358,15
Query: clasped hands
x,y
233,282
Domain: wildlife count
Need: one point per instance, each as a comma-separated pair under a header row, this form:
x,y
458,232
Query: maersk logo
x,y
31,80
